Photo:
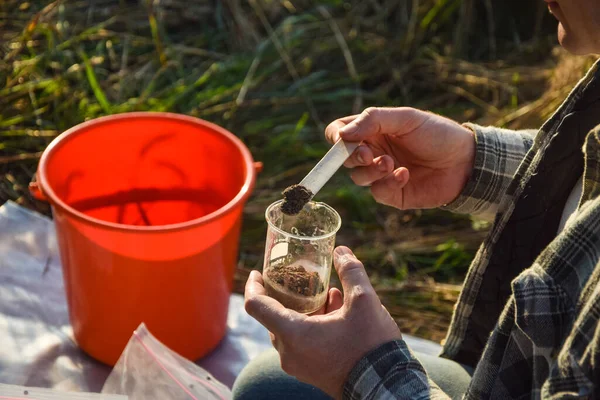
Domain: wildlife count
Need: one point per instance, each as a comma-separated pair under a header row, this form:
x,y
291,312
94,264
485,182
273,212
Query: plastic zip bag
x,y
13,392
148,370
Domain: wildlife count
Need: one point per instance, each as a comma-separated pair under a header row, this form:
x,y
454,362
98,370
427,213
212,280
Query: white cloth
x,y
571,204
36,341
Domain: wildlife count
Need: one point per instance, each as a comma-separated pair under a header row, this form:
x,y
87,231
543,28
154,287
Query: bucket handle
x,y
36,190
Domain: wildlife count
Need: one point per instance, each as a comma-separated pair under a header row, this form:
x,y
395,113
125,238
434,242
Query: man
x,y
527,318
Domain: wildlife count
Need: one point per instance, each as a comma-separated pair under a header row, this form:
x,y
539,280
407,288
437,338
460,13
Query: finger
x,y
352,274
274,341
266,310
380,168
335,300
320,311
363,155
255,284
378,120
331,132
390,190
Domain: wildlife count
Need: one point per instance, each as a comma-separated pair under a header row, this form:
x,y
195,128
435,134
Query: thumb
x,y
353,276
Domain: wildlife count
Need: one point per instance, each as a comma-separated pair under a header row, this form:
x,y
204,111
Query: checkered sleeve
x,y
391,371
499,153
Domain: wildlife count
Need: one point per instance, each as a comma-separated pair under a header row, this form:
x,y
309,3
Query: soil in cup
x,y
297,286
295,198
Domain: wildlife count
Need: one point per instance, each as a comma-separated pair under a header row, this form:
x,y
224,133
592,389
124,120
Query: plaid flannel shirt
x,y
528,315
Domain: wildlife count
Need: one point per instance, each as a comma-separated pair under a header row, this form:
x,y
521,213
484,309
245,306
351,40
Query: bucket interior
x,y
146,170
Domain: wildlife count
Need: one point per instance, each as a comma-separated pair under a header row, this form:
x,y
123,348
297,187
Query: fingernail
x,y
398,176
348,129
360,158
382,166
254,274
342,251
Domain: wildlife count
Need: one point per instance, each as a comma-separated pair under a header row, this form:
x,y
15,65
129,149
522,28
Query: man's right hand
x,y
410,158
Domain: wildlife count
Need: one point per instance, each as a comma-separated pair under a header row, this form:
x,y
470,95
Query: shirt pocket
x,y
543,311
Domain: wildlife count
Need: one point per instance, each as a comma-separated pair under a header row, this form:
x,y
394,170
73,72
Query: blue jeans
x,y
263,379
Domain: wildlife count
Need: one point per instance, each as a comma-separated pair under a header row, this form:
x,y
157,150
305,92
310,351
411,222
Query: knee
x,y
260,377
263,379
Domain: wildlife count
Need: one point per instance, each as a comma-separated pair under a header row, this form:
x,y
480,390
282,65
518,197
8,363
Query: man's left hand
x,y
321,349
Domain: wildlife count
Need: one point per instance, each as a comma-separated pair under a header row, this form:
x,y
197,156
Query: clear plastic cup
x,y
298,255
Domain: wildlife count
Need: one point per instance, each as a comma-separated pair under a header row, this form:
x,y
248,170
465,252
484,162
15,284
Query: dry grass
x,y
569,69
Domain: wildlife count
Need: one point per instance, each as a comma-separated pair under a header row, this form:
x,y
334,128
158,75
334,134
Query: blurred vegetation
x,y
275,72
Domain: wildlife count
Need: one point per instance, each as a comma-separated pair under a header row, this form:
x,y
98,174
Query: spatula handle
x,y
328,165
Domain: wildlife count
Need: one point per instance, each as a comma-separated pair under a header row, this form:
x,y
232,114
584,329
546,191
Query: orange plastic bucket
x,y
147,209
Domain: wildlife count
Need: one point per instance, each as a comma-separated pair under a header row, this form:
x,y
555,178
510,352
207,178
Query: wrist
x,y
471,146
370,372
466,164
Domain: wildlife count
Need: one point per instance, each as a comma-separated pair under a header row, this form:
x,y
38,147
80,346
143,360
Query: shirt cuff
x,y
498,154
386,371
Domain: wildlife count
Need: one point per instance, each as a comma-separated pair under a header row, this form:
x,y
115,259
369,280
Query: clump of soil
x,y
295,287
297,279
295,198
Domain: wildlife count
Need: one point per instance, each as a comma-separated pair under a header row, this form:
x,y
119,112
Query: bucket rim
x,y
56,201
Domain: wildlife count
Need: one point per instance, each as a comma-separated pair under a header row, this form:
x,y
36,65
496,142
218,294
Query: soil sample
x,y
295,198
295,286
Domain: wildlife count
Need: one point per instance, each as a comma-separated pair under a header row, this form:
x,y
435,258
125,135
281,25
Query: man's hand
x,y
410,158
321,349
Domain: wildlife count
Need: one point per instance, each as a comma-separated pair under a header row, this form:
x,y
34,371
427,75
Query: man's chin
x,y
568,42
575,44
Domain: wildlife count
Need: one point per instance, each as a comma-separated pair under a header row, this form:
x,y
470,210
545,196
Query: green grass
x,y
274,73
